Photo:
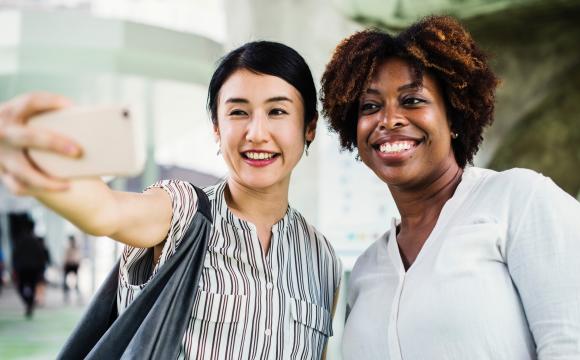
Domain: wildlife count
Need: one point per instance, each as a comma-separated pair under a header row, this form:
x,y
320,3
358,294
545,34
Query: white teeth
x,y
259,155
396,146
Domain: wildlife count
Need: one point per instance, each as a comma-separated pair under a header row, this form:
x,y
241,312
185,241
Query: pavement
x,y
42,336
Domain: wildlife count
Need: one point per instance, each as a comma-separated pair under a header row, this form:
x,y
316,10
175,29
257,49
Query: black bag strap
x,y
152,327
203,204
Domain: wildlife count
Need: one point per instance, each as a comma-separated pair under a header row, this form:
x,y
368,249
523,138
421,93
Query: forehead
x,y
257,88
396,72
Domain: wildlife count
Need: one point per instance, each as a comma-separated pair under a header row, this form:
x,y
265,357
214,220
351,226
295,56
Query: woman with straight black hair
x,y
270,279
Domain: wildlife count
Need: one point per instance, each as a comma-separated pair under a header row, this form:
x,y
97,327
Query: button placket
x,y
393,331
268,294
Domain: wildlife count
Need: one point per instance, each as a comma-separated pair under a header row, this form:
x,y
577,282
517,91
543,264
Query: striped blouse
x,y
249,305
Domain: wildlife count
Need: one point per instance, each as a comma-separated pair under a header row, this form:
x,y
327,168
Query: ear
x,y
311,129
216,133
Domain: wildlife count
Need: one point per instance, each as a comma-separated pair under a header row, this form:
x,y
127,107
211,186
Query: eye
x,y
237,112
412,101
278,112
369,108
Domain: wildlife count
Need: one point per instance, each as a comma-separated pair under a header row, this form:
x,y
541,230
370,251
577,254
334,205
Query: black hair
x,y
269,58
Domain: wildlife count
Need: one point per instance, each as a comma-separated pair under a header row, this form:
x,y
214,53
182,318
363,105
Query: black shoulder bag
x,y
153,325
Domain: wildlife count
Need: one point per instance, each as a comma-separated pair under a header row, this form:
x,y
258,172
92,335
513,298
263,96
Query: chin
x,y
259,181
395,175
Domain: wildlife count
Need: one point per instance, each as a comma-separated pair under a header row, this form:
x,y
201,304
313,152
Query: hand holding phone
x,y
17,173
107,136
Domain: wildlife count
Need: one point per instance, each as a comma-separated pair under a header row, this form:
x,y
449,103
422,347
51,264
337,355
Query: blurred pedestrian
x,y
41,285
28,259
72,259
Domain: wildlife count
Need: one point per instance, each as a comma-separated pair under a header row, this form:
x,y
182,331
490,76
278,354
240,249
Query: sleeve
x,y
337,269
543,258
137,264
334,269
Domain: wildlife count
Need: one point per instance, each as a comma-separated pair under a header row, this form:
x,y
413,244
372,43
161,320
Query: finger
x,y
32,179
25,106
25,137
13,185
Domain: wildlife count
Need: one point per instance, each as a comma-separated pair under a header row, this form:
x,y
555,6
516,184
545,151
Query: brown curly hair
x,y
439,45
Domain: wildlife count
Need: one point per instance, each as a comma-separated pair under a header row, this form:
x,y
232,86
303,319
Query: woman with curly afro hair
x,y
481,264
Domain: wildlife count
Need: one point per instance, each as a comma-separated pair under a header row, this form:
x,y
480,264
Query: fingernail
x,y
64,102
73,150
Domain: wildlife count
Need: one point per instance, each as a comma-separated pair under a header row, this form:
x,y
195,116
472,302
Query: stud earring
x,y
454,135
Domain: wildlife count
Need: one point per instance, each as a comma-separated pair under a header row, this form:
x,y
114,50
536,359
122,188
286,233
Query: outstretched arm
x,y
140,220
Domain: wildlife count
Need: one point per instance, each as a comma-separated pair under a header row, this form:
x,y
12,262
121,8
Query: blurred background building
x,y
157,58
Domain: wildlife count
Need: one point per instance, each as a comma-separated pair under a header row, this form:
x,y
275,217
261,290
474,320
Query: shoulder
x,y
521,184
369,259
184,202
178,190
314,234
513,185
540,194
318,241
368,269
523,196
516,178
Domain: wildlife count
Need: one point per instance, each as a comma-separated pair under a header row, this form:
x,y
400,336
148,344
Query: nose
x,y
392,118
258,131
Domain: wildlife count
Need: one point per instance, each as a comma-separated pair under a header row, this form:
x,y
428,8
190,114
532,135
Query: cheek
x,y
292,142
231,135
290,135
443,131
364,128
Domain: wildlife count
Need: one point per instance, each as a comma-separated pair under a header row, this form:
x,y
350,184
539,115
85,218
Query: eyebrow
x,y
246,101
372,91
237,101
279,98
413,85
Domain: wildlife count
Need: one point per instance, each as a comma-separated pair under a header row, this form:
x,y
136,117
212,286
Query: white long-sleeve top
x,y
498,278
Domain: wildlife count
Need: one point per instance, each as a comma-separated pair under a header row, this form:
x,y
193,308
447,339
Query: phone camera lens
x,y
126,113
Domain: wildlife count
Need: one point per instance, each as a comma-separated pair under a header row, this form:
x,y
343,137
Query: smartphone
x,y
107,135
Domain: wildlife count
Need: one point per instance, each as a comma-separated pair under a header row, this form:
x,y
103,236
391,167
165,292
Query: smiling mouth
x,y
259,155
396,147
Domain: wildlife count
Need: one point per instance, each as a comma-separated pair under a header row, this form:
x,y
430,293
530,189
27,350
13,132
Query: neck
x,y
262,207
422,205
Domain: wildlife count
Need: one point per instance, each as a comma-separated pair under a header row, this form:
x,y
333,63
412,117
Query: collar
x,y
222,209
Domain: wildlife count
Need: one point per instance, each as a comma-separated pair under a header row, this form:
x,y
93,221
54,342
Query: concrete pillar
x,y
151,172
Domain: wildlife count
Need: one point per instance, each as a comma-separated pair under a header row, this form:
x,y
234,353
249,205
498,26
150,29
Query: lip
x,y
395,137
399,156
259,162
